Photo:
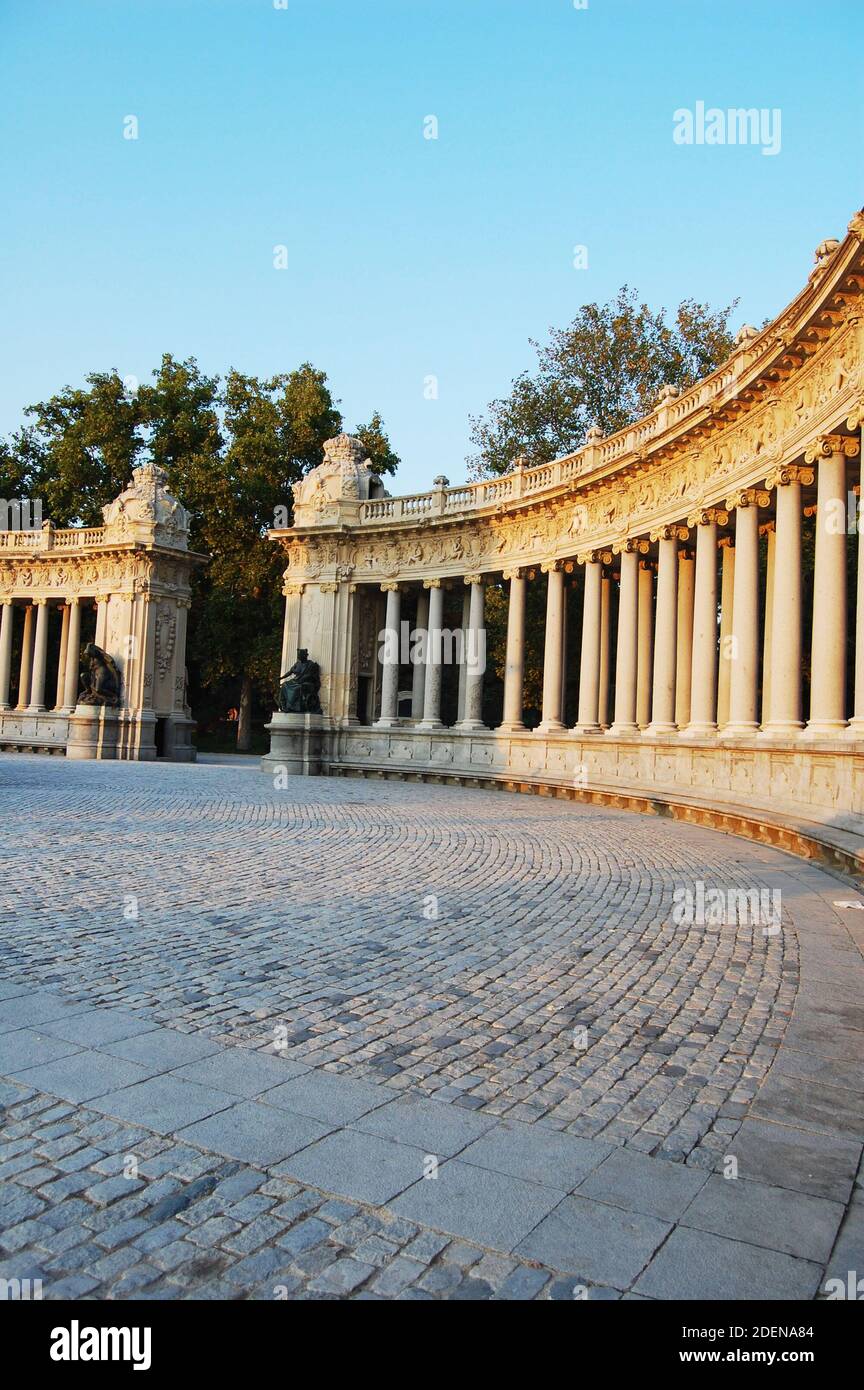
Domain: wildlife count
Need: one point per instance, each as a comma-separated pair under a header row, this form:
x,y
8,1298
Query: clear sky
x,y
303,126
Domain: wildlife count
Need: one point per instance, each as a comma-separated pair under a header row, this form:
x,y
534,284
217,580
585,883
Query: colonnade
x,y
698,634
32,673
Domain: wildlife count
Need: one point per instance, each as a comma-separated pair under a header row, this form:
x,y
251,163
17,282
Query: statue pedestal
x,y
92,732
296,742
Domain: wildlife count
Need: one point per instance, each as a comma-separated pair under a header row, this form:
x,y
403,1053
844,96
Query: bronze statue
x,y
299,687
100,682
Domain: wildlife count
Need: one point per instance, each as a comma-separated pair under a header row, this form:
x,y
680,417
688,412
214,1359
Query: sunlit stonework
x,y
671,717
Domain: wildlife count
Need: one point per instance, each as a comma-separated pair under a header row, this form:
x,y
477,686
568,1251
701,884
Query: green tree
x,y
605,369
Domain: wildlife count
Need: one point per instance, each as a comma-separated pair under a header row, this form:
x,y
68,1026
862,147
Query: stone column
x,y
627,648
645,644
703,670
666,629
73,654
463,669
828,662
605,599
553,652
785,716
26,659
856,727
61,661
40,657
589,666
727,642
684,660
419,668
432,687
8,619
390,659
474,657
769,530
514,667
744,656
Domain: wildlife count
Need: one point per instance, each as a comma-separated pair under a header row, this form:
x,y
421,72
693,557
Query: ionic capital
x,y
594,557
432,584
708,516
330,587
390,586
788,474
293,590
549,566
40,602
670,533
513,574
632,545
829,444
472,579
747,497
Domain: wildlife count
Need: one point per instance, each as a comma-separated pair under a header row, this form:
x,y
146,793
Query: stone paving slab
x,y
35,1007
95,1027
435,1127
558,1160
335,1100
693,1265
360,1166
28,1047
162,1103
637,1183
82,1075
598,1243
240,1071
772,1217
163,1048
253,1132
478,1204
819,1164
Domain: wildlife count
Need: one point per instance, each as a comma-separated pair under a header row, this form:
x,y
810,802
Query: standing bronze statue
x,y
299,687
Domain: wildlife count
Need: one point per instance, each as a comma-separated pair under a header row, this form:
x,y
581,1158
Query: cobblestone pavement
x,y
237,1023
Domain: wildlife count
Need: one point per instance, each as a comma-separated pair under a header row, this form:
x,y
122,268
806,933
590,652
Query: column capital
x,y
726,543
517,573
845,444
390,586
432,583
630,545
329,587
6,601
708,516
787,474
670,533
293,590
747,497
40,602
551,566
473,579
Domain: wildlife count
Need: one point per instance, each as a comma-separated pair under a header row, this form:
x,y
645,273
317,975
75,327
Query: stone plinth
x,y
93,732
296,742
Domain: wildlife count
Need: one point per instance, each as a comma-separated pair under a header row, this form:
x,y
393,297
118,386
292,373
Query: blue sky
x,y
407,258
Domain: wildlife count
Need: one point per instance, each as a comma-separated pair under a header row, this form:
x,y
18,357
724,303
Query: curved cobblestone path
x,y
519,958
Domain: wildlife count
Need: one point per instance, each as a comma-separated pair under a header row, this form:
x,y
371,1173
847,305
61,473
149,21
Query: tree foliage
x,y
605,369
231,450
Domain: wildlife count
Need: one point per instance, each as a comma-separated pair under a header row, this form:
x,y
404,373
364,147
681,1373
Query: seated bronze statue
x,y
100,679
299,687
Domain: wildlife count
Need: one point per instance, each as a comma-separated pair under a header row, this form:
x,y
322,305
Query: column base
x,y
517,727
429,725
743,729
35,709
387,723
470,726
782,728
550,726
658,729
825,728
855,729
703,729
622,730
586,730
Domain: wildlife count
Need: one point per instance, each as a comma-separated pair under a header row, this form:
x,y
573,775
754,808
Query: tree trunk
x,y
244,717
